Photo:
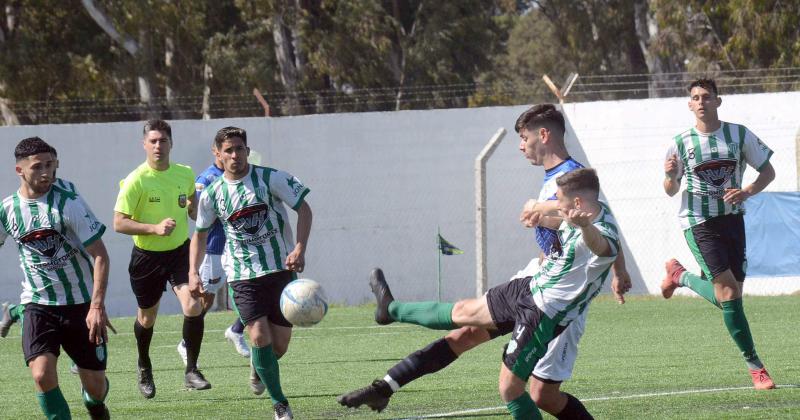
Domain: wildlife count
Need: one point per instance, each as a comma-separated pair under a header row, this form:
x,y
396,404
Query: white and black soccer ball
x,y
303,302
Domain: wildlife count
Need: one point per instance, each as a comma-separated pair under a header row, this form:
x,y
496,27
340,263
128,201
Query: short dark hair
x,y
707,84
229,133
542,115
32,146
157,125
579,180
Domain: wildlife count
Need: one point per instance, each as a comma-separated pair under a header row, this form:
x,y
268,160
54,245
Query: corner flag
x,y
447,248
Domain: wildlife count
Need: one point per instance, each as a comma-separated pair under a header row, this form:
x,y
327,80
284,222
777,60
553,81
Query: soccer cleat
x,y
671,280
256,385
383,296
238,341
195,380
182,351
6,322
761,379
375,396
282,411
146,385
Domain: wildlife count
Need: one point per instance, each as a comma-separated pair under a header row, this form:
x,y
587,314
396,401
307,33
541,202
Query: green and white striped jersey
x,y
52,233
568,280
66,185
257,231
713,162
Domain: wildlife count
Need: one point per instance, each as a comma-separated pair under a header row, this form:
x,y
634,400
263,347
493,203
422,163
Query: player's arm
x,y
595,240
97,319
191,204
123,223
197,249
541,213
621,281
672,180
737,196
296,259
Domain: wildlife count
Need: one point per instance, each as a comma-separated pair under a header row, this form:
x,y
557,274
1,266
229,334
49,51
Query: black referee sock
x,y
143,338
193,337
574,410
422,362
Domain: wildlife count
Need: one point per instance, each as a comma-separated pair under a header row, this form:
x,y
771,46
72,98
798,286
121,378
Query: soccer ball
x,y
303,302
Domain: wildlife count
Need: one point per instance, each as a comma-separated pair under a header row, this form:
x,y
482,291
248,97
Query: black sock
x,y
574,410
143,338
237,326
97,411
422,362
193,337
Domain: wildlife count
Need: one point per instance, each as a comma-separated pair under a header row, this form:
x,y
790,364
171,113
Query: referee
x,y
152,206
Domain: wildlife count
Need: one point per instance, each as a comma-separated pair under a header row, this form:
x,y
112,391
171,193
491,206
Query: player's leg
x,y
235,334
193,328
91,359
428,360
148,279
41,343
699,238
433,315
553,369
10,316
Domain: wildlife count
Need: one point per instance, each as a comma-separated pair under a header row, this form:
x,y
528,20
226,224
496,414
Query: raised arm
x,y
672,184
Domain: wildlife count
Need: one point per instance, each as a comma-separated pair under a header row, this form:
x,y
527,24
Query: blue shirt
x,y
548,238
216,236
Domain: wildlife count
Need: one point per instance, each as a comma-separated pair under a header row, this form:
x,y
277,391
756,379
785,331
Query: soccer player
x,y
541,130
65,265
211,272
540,303
261,257
153,205
713,155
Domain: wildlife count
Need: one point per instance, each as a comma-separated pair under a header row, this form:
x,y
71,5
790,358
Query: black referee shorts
x,y
151,270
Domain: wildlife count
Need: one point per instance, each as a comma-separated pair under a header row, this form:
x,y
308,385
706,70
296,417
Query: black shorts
x,y
48,328
261,296
513,310
719,244
151,270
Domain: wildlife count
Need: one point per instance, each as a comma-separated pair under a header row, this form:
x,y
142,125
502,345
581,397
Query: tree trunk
x,y
285,55
9,117
207,76
660,83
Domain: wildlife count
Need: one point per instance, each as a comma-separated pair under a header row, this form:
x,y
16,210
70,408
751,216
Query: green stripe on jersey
x,y
46,282
698,155
262,256
237,267
276,248
242,200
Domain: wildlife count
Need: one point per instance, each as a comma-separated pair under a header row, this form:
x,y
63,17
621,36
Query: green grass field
x,y
649,358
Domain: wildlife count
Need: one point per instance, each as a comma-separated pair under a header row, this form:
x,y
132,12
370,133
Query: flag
x,y
447,248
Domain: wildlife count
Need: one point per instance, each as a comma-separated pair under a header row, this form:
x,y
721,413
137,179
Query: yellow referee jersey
x,y
150,196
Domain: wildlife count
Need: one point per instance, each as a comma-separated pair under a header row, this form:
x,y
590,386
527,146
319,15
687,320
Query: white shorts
x,y
558,362
211,273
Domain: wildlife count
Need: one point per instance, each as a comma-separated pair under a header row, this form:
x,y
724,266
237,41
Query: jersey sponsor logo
x,y
716,172
249,219
45,241
182,200
154,199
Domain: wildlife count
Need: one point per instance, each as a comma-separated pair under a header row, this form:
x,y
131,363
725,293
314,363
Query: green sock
x,y
700,286
433,315
54,405
523,408
739,329
267,367
15,312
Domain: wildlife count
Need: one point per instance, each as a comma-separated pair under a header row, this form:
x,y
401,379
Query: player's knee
x,y
96,386
280,349
44,380
147,319
466,338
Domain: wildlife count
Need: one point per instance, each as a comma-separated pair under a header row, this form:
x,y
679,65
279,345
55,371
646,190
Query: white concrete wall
x,y
381,183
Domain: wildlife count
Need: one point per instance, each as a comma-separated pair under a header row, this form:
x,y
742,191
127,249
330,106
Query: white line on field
x,y
607,398
296,330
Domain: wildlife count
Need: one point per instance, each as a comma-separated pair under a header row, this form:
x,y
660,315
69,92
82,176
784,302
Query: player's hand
x,y
529,216
620,284
671,167
296,260
165,227
735,195
577,217
96,321
195,285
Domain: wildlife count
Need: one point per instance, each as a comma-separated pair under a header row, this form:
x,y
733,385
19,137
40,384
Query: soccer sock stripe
x,y
53,404
430,359
523,407
699,285
90,401
193,327
739,329
143,338
433,315
268,370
